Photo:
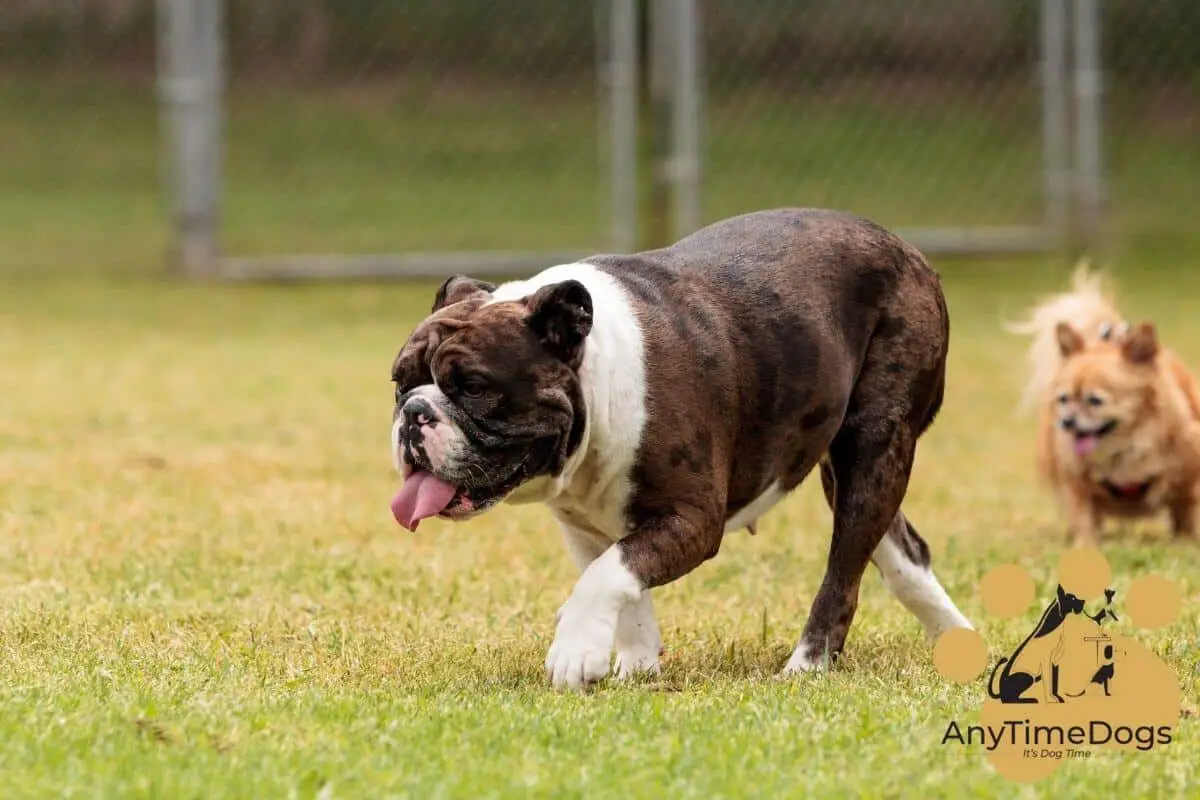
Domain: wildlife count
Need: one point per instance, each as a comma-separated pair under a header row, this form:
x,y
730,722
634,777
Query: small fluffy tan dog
x,y
1118,415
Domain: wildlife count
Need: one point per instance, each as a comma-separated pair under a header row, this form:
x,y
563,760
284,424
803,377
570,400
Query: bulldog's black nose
x,y
418,413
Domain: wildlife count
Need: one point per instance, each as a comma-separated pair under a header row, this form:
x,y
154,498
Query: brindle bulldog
x,y
657,401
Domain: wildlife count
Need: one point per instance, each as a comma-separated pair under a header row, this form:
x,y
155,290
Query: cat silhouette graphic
x,y
1065,637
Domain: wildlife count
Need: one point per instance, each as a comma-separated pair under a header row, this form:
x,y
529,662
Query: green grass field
x,y
202,593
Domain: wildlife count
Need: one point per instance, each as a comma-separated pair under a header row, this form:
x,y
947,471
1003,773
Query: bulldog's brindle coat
x,y
659,400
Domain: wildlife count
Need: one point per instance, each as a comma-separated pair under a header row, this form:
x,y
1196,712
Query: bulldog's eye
x,y
1106,331
473,387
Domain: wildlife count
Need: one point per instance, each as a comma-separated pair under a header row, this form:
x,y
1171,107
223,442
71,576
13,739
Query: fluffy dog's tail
x,y
1088,307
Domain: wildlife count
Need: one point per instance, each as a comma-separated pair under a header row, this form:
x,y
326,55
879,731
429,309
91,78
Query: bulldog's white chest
x,y
596,499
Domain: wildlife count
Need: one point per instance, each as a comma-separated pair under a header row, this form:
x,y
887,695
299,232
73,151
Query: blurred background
x,y
261,138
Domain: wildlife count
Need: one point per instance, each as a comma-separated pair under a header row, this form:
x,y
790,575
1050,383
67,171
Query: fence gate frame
x,y
191,84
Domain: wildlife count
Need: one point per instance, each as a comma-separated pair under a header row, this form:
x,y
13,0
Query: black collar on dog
x,y
1131,492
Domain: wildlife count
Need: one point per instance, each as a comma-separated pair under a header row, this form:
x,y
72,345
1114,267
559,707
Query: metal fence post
x,y
685,116
623,111
1056,172
655,132
190,79
1089,186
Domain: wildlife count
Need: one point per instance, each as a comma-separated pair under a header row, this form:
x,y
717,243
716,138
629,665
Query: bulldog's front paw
x,y
638,641
640,658
582,649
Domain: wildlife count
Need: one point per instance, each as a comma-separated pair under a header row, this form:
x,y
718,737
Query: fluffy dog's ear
x,y
1141,344
1069,340
561,316
458,288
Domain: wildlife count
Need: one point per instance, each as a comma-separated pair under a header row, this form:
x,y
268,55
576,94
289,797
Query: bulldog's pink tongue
x,y
1085,444
422,495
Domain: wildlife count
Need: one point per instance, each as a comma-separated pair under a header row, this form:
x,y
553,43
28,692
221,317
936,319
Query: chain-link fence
x,y
926,115
971,125
1151,136
378,137
366,137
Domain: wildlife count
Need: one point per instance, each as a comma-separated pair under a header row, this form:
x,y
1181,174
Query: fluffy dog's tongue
x,y
422,495
1086,444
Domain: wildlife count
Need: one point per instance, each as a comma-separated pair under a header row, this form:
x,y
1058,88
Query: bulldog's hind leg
x,y
903,561
870,467
899,390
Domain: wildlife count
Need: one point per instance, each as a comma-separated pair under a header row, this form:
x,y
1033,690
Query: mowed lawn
x,y
202,593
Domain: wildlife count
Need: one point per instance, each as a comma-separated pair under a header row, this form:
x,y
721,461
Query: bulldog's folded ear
x,y
460,287
561,316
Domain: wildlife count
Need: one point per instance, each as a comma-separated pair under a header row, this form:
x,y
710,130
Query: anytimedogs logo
x,y
1071,685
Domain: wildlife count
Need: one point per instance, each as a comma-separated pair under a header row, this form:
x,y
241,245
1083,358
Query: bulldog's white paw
x,y
582,649
639,659
587,622
801,663
638,642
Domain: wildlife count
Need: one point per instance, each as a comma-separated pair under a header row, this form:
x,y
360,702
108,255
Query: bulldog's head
x,y
487,397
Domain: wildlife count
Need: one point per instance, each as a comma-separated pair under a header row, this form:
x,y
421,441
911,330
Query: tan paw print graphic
x,y
1070,686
